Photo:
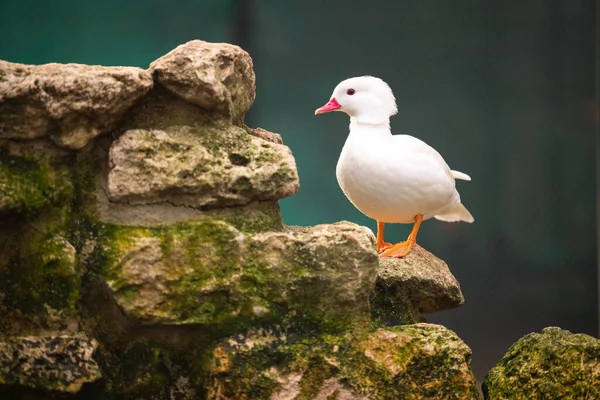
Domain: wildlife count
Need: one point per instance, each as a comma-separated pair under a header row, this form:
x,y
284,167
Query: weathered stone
x,y
72,103
277,365
199,167
415,284
422,361
266,135
27,184
332,388
210,273
555,364
214,76
53,363
39,277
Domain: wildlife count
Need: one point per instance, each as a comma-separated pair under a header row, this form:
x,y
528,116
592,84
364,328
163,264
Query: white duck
x,y
390,178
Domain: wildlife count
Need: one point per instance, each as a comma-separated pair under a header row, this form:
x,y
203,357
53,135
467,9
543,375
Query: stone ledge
x,y
418,283
71,103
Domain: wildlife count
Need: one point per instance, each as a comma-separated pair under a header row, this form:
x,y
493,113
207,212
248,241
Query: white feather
x,y
392,178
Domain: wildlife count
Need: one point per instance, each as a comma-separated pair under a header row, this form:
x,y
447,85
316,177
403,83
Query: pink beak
x,y
332,105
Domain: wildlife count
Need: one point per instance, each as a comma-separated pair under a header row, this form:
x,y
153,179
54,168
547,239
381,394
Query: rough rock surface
x,y
266,135
554,364
39,275
210,273
186,166
58,363
418,283
422,361
214,76
71,103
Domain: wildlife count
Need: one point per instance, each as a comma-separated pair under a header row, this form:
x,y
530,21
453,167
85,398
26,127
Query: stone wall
x,y
144,255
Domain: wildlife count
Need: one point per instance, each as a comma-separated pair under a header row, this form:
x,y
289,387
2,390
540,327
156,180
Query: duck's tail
x,y
460,175
456,213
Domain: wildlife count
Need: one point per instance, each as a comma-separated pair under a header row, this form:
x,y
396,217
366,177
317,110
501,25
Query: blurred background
x,y
504,91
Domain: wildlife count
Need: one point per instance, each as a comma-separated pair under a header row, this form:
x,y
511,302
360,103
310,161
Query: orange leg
x,y
381,244
403,248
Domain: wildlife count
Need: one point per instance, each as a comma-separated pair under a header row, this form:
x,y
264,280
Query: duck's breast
x,y
394,180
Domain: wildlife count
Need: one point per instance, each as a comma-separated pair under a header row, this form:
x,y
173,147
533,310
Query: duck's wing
x,y
420,147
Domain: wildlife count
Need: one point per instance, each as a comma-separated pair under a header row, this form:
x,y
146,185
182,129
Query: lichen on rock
x,y
553,364
210,273
408,362
52,363
420,361
199,167
27,184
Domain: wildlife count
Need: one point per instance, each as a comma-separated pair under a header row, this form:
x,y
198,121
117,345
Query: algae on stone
x,y
27,184
554,364
416,362
407,362
39,276
210,273
199,167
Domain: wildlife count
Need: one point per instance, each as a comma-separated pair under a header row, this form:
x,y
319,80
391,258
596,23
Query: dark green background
x,y
503,90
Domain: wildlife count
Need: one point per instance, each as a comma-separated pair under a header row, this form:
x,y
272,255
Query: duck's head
x,y
365,99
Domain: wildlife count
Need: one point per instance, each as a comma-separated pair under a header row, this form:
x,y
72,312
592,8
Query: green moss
x,y
254,365
42,271
27,184
209,273
554,364
389,307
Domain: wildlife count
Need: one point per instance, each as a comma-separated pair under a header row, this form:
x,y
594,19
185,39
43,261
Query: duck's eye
x,y
350,92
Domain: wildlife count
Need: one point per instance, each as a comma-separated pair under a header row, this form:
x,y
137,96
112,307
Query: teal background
x,y
503,90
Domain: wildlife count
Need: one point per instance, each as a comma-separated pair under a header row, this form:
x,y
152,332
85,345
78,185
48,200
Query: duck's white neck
x,y
372,129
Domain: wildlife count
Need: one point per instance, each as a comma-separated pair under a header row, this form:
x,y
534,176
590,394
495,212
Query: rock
x,y
72,103
266,135
555,364
27,184
418,283
52,363
277,365
422,361
210,273
214,76
39,276
199,167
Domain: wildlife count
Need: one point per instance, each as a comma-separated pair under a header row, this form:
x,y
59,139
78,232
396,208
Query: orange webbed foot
x,y
398,250
381,247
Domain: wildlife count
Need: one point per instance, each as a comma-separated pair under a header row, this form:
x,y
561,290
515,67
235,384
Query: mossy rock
x,y
207,166
408,362
554,364
39,275
28,184
210,273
